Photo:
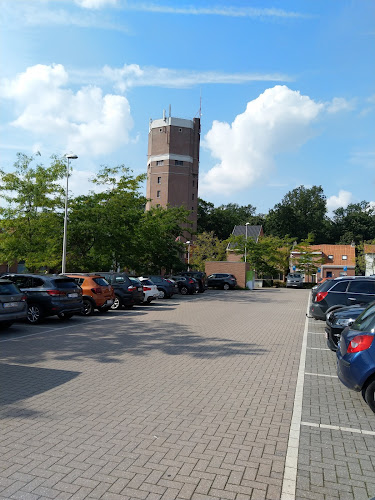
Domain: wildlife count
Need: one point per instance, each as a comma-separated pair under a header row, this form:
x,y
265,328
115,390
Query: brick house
x,y
369,256
339,260
253,232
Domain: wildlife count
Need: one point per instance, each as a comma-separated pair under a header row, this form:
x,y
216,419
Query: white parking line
x,y
319,348
288,491
320,375
338,428
316,333
54,330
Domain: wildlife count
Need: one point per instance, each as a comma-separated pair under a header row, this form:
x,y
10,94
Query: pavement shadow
x,y
21,382
108,342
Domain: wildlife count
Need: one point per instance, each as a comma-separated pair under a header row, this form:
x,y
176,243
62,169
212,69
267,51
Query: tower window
x,y
192,196
159,162
157,194
178,163
193,183
159,180
180,129
160,130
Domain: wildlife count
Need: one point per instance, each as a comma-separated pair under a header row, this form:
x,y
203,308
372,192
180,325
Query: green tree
x,y
355,223
307,261
31,222
302,211
158,240
221,220
103,226
207,247
269,256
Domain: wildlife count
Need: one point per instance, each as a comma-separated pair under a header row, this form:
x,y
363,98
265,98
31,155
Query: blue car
x,y
356,356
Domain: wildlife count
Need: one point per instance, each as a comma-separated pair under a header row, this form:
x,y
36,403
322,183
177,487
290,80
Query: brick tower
x,y
173,164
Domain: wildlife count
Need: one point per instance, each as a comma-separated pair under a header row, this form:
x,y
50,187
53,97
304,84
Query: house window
x,y
178,163
330,257
159,162
157,194
344,257
159,180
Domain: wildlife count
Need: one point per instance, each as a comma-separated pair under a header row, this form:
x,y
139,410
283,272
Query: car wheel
x,y
34,314
184,290
88,307
65,316
369,395
162,294
226,286
117,304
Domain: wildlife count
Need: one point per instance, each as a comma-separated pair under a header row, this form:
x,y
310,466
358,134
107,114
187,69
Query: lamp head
x,y
71,156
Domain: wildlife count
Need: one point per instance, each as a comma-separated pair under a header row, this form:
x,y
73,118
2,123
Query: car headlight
x,y
344,322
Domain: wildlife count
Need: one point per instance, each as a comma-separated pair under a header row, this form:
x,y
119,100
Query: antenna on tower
x,y
200,106
170,111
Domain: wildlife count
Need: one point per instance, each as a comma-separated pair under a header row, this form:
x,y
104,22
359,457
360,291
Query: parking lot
x,y
222,395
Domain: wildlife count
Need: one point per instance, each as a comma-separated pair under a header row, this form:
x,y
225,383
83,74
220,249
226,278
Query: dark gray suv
x,y
48,295
344,291
222,280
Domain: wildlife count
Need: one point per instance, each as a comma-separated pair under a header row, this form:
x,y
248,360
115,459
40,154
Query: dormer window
x,y
344,257
330,257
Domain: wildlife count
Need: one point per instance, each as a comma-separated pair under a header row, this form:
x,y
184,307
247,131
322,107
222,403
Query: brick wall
x,y
238,269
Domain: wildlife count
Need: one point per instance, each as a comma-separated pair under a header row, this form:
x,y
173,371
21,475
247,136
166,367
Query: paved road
x,y
189,398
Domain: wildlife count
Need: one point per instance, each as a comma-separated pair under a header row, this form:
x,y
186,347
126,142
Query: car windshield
x,y
294,275
8,289
366,321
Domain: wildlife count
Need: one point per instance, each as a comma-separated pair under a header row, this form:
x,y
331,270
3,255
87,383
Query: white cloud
x,y
278,120
86,121
343,199
340,104
132,75
96,4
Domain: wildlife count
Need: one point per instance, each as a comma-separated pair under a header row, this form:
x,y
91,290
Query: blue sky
x,y
287,89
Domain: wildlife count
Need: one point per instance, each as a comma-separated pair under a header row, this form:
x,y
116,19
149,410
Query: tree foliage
x,y
207,247
307,260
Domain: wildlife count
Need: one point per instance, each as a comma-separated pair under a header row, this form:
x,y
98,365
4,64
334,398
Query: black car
x,y
222,280
344,291
48,295
199,276
338,320
13,305
165,287
186,284
127,292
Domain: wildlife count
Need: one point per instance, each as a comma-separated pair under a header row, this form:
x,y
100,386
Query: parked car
x,y
294,280
338,320
199,276
356,356
165,288
186,284
48,295
222,280
150,290
320,282
97,292
338,292
173,282
127,293
13,305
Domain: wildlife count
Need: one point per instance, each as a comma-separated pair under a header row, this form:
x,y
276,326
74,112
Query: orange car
x,y
97,293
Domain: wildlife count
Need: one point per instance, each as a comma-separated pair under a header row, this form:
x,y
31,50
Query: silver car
x,y
294,280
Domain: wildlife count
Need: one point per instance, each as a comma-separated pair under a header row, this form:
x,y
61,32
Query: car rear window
x,y
64,283
101,281
121,279
327,285
8,289
365,321
341,286
135,281
147,282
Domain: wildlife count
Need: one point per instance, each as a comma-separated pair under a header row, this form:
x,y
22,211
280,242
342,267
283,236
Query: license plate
x,y
71,295
11,304
109,302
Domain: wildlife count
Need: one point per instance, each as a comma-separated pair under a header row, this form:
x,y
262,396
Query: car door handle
x,y
351,298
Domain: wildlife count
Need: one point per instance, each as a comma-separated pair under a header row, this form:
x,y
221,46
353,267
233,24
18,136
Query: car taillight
x,y
23,298
320,296
146,288
191,281
360,343
96,290
55,292
132,288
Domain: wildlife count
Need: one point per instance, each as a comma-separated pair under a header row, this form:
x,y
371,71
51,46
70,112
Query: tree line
x,y
110,229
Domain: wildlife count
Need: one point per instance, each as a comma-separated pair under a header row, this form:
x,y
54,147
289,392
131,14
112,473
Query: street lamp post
x,y
247,223
188,244
63,263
